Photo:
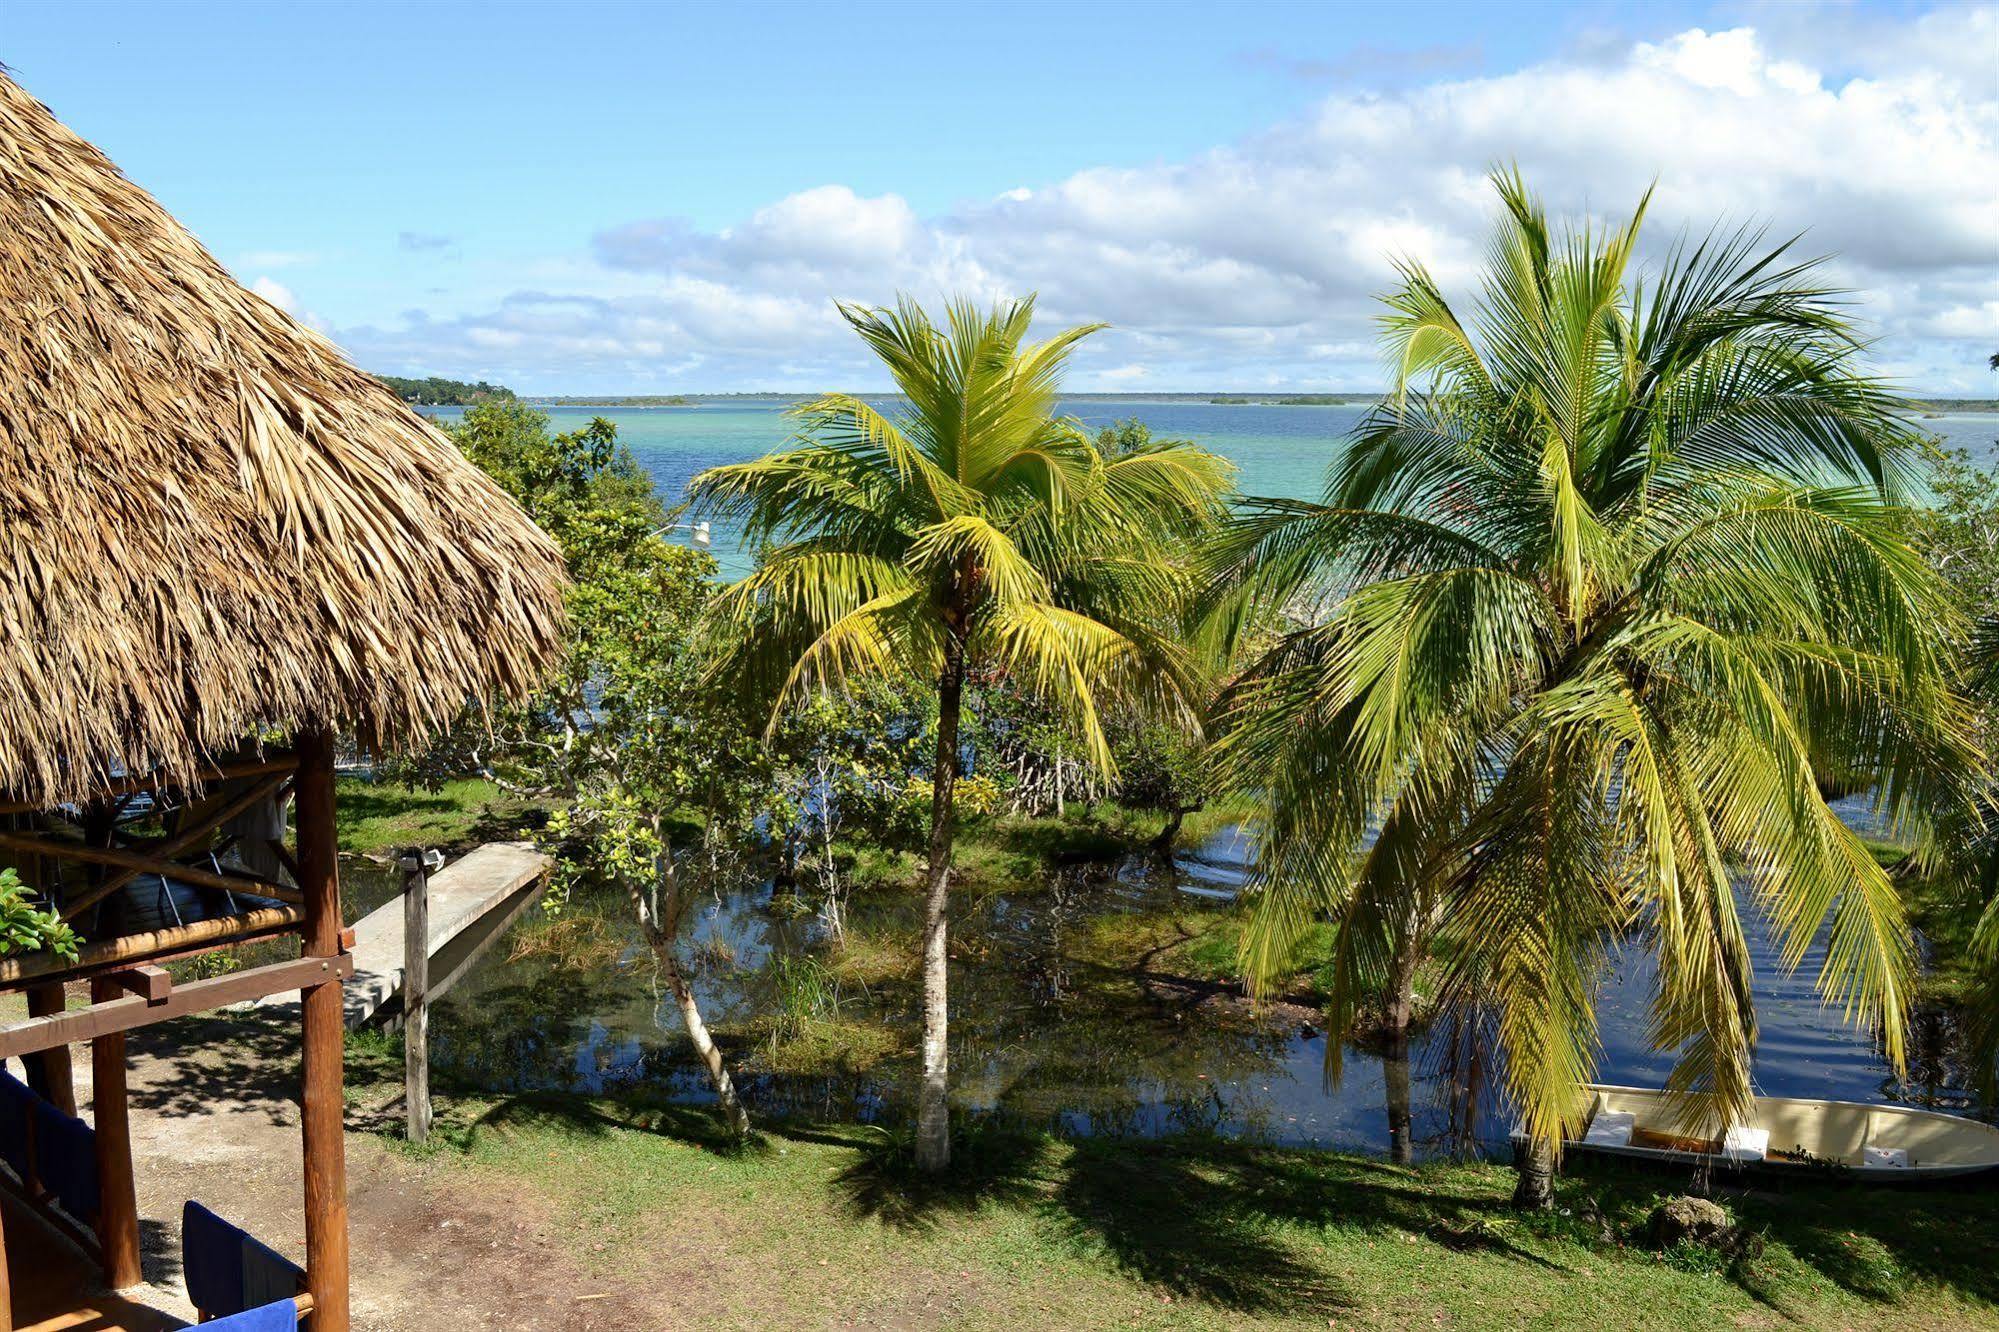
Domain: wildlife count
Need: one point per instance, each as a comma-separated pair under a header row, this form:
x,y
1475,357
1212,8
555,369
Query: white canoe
x,y
1877,1143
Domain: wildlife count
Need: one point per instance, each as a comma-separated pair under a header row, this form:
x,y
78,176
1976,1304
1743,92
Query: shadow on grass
x,y
1875,1244
1238,1225
1879,1244
1248,1229
989,1164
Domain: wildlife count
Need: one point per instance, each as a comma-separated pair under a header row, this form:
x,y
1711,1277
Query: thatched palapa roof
x,y
210,522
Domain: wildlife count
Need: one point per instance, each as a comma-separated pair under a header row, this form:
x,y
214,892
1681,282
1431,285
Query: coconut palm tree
x,y
1598,604
967,527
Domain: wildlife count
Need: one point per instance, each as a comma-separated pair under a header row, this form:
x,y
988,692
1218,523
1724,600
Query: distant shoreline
x,y
691,401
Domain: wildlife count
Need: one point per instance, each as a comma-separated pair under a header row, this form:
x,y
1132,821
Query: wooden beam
x,y
117,1195
144,864
160,781
153,984
107,954
322,1105
124,1014
180,842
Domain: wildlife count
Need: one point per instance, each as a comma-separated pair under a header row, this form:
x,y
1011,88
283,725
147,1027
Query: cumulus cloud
x,y
423,242
276,293
1256,262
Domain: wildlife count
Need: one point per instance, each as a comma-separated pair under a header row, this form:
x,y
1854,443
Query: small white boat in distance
x,y
1877,1143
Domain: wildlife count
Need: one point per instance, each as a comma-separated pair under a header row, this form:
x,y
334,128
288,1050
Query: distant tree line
x,y
623,400
436,392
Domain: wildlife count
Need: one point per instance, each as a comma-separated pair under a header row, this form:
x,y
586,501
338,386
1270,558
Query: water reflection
x,y
1045,1033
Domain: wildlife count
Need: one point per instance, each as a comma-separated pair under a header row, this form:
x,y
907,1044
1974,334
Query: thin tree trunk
x,y
933,1108
662,930
1396,1011
733,1113
1168,835
1535,1163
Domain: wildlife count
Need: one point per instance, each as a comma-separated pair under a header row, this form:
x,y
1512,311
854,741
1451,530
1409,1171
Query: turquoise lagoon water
x,y
1281,452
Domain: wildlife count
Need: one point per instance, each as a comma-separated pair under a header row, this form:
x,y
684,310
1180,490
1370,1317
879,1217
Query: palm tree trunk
x,y
933,1106
1396,1014
1535,1162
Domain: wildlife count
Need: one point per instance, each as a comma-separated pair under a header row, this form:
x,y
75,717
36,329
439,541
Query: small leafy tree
x,y
655,769
27,928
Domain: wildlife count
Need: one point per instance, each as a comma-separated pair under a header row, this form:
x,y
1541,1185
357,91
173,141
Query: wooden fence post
x,y
417,864
322,1105
117,1197
50,1072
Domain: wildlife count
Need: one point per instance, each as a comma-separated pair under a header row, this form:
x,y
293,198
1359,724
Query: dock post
x,y
417,864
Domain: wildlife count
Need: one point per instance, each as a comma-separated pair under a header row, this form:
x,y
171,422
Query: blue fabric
x,y
281,1316
16,1105
66,1160
227,1270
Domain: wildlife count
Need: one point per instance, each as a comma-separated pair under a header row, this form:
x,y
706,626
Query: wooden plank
x,y
87,1024
180,842
151,945
416,995
322,1105
159,781
117,1195
144,864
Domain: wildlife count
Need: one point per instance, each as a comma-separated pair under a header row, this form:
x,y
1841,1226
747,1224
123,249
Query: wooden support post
x,y
417,864
322,1103
117,1196
50,1072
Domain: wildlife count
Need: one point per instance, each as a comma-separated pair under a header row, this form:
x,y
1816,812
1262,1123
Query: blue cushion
x,y
229,1271
278,1316
66,1160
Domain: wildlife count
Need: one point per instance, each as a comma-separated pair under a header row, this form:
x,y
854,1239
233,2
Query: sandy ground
x,y
431,1249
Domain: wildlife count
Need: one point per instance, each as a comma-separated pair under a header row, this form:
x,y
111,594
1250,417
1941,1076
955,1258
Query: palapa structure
x,y
221,547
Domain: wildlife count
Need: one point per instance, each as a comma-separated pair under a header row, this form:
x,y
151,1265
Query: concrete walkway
x,y
472,902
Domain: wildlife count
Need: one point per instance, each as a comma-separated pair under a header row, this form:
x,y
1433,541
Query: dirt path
x,y
433,1246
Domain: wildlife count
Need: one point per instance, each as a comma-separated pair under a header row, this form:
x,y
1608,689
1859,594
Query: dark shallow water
x,y
1043,1035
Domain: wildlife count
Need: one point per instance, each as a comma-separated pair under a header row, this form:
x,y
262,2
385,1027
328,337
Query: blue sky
x,y
600,197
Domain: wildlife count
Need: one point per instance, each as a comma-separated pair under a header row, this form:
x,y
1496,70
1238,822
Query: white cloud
x,y
1257,262
276,293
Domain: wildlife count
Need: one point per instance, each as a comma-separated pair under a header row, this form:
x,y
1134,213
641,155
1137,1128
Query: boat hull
x,y
1791,1139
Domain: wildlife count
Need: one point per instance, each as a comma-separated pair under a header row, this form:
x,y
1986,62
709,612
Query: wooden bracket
x,y
153,984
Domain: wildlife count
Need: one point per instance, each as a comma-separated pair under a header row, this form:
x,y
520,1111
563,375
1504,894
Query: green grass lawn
x,y
823,1225
377,817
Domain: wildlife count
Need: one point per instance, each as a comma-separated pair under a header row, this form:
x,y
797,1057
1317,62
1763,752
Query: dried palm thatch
x,y
210,523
